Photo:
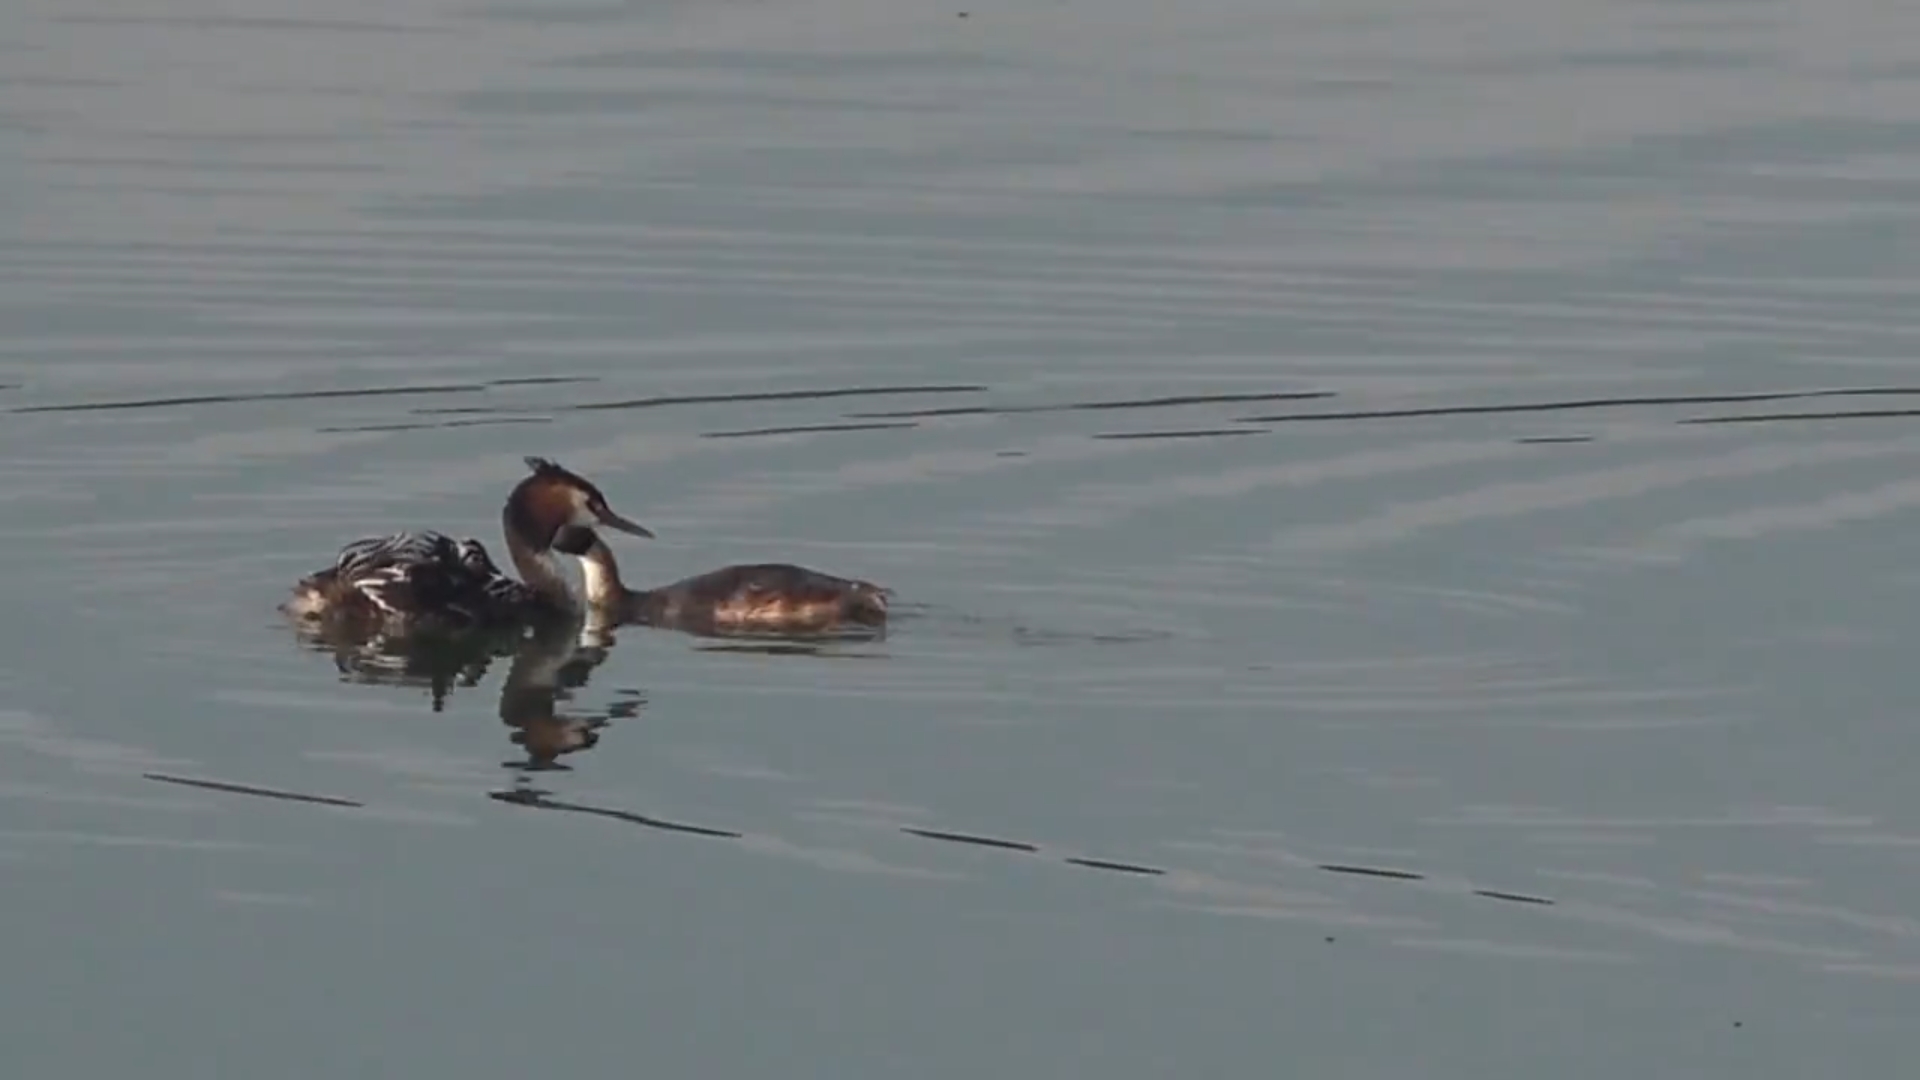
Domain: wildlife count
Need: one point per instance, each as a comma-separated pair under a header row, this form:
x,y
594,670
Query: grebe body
x,y
762,598
419,580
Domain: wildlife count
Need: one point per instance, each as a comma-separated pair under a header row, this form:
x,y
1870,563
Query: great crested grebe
x,y
765,598
413,580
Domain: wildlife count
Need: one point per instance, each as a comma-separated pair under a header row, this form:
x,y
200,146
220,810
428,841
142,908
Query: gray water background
x,y
1646,681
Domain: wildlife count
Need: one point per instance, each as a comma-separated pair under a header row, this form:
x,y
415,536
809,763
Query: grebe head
x,y
550,508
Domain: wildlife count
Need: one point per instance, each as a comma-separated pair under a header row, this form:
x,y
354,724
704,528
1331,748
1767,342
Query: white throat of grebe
x,y
600,582
599,585
600,577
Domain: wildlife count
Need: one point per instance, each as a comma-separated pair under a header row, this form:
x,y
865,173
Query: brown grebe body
x,y
760,598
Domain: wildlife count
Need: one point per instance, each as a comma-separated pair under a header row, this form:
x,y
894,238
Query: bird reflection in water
x,y
547,669
544,674
437,662
547,665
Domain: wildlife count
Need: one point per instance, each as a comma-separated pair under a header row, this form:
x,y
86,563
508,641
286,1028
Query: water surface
x,y
1399,520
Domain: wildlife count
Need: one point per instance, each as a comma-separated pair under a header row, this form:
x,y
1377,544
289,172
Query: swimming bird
x,y
419,580
763,598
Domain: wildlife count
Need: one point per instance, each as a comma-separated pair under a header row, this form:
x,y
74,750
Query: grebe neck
x,y
536,566
600,575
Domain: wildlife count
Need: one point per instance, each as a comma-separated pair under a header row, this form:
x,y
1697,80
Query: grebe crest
x,y
553,498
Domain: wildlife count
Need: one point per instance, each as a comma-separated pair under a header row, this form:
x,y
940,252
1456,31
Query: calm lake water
x,y
1401,517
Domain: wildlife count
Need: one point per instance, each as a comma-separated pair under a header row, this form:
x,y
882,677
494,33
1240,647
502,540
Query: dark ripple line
x,y
1189,433
1373,871
801,429
969,838
270,395
249,789
538,800
1124,868
1518,898
1769,418
1584,403
1094,406
1025,848
543,380
921,414
541,800
778,395
425,425
1030,849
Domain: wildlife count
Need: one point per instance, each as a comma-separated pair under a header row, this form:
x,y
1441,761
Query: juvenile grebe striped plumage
x,y
416,580
764,598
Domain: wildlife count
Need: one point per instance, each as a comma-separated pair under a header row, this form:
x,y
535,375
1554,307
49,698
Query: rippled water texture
x,y
1400,517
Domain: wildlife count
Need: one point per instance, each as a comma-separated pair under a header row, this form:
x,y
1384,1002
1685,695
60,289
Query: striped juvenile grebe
x,y
414,580
765,598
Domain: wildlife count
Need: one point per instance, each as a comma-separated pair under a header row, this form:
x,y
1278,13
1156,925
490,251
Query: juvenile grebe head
x,y
553,504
